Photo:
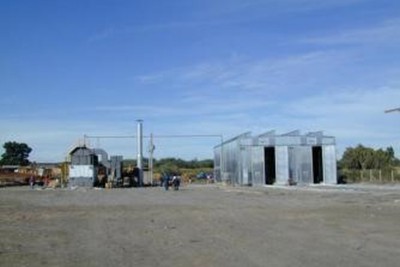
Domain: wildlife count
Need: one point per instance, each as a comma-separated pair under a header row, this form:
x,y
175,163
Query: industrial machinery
x,y
91,167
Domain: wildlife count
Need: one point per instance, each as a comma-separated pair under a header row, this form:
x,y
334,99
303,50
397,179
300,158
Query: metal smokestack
x,y
140,150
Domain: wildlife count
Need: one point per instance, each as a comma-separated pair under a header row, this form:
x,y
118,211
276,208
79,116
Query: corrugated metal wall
x,y
329,164
257,161
300,164
282,164
241,160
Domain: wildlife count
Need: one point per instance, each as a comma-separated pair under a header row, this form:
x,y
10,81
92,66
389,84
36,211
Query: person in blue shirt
x,y
166,181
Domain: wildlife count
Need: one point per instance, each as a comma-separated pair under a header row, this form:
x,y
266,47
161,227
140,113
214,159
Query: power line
x,y
98,137
154,136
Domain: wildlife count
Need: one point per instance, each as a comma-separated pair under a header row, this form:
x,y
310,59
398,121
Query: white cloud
x,y
355,116
267,75
352,102
103,34
312,91
51,139
214,13
386,33
273,7
322,90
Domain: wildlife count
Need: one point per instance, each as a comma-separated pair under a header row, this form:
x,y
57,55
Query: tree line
x,y
365,164
355,160
174,165
363,158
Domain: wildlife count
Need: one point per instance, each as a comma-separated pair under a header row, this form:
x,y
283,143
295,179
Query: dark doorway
x,y
269,159
317,164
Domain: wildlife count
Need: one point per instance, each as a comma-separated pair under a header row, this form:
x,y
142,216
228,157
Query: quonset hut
x,y
273,159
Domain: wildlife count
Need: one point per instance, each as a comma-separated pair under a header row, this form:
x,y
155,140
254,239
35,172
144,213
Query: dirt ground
x,y
205,225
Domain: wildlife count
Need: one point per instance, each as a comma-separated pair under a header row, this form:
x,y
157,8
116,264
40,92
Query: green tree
x,y
393,160
361,158
15,154
354,158
390,152
169,168
382,159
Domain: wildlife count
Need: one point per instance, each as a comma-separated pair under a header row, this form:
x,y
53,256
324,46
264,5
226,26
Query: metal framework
x,y
152,137
155,136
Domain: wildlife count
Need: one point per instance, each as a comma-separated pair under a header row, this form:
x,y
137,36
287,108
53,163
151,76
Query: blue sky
x,y
69,68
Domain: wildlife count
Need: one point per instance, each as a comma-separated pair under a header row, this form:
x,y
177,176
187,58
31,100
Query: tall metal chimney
x,y
140,151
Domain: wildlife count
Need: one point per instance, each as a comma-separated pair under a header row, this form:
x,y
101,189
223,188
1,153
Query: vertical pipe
x,y
222,158
140,151
151,150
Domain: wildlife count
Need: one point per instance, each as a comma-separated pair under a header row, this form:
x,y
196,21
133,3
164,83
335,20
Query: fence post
x,y
380,175
392,176
370,175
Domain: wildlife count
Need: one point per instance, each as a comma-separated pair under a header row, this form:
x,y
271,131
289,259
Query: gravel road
x,y
207,225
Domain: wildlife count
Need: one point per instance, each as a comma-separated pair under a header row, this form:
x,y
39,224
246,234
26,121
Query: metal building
x,y
273,159
91,167
83,168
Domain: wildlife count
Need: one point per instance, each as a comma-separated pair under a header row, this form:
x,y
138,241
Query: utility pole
x,y
140,150
151,151
392,110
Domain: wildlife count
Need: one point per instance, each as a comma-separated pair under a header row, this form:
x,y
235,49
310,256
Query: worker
x,y
176,181
166,182
32,181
